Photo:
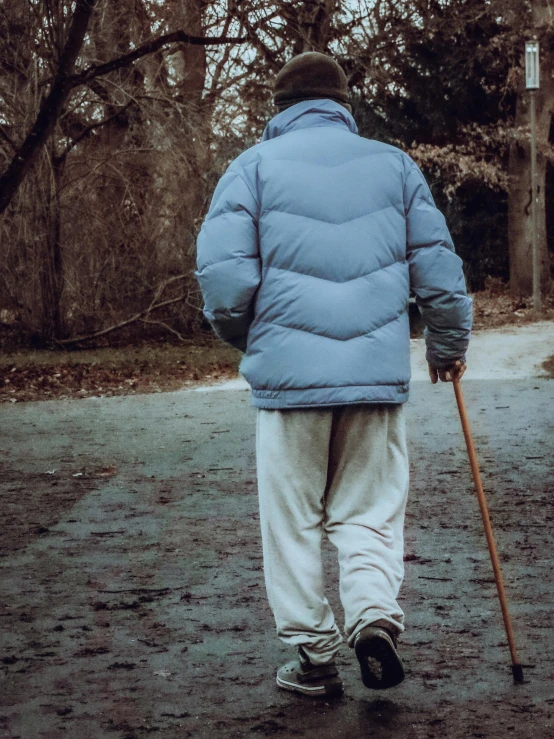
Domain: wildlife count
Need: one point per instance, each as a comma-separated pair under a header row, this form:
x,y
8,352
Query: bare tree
x,y
98,139
64,82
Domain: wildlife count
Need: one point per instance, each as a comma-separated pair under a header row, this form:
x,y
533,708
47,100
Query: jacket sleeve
x,y
436,275
228,259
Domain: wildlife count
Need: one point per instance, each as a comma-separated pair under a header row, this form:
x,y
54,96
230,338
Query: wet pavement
x,y
133,601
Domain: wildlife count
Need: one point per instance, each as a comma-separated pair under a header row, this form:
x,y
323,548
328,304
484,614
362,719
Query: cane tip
x,y
517,672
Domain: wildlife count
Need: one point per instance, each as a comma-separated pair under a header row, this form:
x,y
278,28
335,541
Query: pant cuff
x,y
376,619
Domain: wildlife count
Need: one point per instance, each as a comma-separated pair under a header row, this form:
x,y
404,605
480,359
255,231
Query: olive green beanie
x,y
310,76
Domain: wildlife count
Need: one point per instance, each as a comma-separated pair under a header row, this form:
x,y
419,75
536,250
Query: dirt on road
x,y
133,602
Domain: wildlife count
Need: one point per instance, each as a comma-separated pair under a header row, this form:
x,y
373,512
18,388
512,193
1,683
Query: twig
x,y
7,138
140,590
89,129
136,317
168,328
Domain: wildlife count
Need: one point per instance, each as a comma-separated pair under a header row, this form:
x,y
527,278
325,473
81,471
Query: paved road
x,y
133,600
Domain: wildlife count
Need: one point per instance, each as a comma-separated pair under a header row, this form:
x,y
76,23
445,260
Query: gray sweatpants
x,y
342,471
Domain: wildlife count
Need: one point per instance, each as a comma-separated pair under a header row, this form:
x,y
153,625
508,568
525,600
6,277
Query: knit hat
x,y
310,76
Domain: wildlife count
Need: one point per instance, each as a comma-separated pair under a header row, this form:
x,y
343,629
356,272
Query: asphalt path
x,y
133,601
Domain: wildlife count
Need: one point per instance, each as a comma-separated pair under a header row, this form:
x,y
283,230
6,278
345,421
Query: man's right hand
x,y
453,372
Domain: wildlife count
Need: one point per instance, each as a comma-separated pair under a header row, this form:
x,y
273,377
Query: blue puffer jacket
x,y
306,258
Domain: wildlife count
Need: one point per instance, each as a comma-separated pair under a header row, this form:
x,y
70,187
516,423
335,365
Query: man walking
x,y
306,258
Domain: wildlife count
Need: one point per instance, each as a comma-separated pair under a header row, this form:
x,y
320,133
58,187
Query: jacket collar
x,y
307,114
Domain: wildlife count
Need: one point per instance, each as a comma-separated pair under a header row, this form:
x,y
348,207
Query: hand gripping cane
x,y
517,668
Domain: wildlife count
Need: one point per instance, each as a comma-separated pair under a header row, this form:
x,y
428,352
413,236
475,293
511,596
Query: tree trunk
x,y
519,195
51,269
320,27
191,85
194,60
519,217
312,23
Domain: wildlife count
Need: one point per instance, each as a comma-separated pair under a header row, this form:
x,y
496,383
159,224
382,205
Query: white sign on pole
x,y
532,65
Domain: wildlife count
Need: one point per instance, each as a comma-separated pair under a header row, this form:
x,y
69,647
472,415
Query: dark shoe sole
x,y
332,688
381,666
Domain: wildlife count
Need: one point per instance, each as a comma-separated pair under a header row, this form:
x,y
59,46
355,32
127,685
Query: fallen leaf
x,y
107,471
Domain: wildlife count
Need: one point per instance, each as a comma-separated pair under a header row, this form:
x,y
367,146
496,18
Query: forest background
x,y
118,118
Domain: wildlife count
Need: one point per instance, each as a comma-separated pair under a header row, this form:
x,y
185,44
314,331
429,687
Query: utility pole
x,y
532,67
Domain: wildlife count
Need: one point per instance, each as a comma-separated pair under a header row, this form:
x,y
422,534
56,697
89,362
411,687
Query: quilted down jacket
x,y
306,258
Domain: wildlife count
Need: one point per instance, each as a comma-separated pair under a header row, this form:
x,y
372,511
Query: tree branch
x,y
63,82
149,47
168,328
136,317
89,129
50,108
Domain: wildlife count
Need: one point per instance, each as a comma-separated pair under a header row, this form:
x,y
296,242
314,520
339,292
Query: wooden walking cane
x,y
517,668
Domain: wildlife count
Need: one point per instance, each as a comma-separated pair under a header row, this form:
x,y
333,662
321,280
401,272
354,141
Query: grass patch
x,y
159,355
43,374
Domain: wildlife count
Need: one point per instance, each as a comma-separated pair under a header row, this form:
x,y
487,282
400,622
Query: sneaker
x,y
300,676
381,666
